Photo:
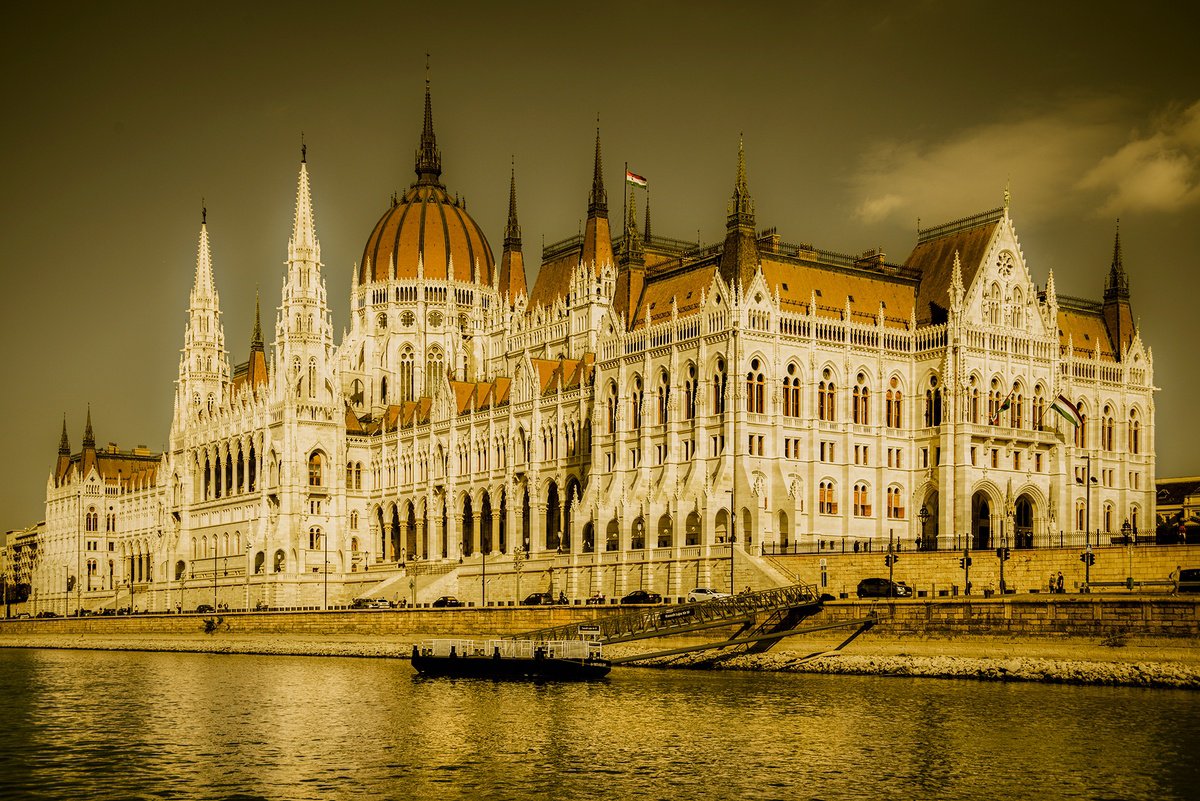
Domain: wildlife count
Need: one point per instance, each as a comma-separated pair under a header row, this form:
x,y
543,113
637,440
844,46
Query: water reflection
x,y
124,725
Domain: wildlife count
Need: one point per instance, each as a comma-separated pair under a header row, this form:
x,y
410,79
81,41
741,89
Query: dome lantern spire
x,y
429,158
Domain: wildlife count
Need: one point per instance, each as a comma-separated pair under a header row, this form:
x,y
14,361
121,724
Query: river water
x,y
126,725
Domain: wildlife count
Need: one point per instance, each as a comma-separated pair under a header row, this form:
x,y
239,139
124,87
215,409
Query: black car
x,y
205,608
46,613
642,597
883,588
446,601
1189,580
537,599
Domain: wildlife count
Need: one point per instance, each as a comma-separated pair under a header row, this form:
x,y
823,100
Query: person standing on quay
x,y
1060,583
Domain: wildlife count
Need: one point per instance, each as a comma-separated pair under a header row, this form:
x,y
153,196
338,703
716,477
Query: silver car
x,y
705,594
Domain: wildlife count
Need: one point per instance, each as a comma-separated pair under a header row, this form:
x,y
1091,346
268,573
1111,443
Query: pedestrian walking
x,y
1060,583
1051,588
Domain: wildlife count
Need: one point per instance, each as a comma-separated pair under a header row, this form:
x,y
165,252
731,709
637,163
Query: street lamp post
x,y
923,515
325,568
249,552
1125,529
518,561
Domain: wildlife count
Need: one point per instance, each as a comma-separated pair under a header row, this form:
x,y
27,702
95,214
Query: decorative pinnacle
x,y
256,339
89,439
203,211
303,149
512,233
429,160
64,444
598,200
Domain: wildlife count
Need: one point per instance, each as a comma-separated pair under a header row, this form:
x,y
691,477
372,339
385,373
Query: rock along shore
x,y
1173,665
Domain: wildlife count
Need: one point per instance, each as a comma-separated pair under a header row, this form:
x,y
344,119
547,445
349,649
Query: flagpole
x,y
625,205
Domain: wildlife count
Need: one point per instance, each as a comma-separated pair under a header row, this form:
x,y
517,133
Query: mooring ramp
x,y
781,604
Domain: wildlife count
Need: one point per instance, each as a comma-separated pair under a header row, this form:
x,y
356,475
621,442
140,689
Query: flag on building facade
x,y
1067,410
1003,407
635,179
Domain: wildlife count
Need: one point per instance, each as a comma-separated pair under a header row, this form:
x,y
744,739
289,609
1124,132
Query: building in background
x,y
647,408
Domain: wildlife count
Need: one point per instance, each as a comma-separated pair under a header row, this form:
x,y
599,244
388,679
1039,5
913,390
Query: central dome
x,y
425,227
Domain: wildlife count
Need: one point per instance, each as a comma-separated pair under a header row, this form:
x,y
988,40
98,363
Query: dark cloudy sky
x,y
858,118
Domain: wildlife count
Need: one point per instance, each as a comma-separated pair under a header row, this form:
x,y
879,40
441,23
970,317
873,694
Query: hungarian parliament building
x,y
649,404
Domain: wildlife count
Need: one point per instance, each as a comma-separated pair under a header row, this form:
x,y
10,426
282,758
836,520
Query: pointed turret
x,y
739,259
89,439
1118,316
64,444
512,262
956,284
203,364
304,244
646,227
597,237
429,158
1051,292
631,268
256,338
598,198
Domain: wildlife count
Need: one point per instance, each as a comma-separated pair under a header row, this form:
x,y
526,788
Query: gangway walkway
x,y
763,619
661,621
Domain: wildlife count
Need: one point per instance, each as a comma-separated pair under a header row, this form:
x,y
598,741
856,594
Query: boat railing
x,y
511,649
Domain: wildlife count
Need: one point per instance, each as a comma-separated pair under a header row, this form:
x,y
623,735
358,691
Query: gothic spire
x,y
89,439
204,277
512,232
633,242
646,228
304,233
739,258
598,199
64,444
1116,287
429,158
256,339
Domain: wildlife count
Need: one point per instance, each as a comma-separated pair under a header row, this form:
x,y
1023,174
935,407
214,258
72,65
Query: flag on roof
x,y
1067,410
635,179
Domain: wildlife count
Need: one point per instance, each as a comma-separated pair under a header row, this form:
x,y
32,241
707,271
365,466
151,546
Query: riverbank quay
x,y
1127,641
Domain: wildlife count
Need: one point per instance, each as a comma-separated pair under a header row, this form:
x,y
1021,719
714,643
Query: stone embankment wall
x,y
936,573
1032,615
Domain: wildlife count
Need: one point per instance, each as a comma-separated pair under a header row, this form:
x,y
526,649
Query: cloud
x,y
1077,158
1155,172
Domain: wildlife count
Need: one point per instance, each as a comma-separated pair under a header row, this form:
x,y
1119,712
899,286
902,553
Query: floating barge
x,y
560,660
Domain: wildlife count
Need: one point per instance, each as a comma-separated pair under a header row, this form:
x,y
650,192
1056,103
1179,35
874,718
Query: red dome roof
x,y
426,225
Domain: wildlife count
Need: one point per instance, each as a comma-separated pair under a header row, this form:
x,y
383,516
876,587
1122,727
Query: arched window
x,y
894,403
1081,429
407,392
1106,429
1108,518
664,396
91,520
895,504
862,401
862,503
312,378
314,538
826,408
358,475
635,400
791,391
314,469
435,371
1133,518
383,396
1039,408
826,502
754,388
689,393
1017,319
354,524
1080,516
933,403
611,403
994,305
719,379
349,475
1017,413
995,398
1135,432
973,401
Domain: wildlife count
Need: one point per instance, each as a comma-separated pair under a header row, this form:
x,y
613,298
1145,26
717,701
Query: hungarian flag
x,y
1067,410
635,179
1003,407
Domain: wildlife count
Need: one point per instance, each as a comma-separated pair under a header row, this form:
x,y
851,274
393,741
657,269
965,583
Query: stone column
x,y
495,543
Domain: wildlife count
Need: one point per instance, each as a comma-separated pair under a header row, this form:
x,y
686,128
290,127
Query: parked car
x,y
1189,579
205,608
705,594
370,603
642,597
544,599
446,601
47,613
883,588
